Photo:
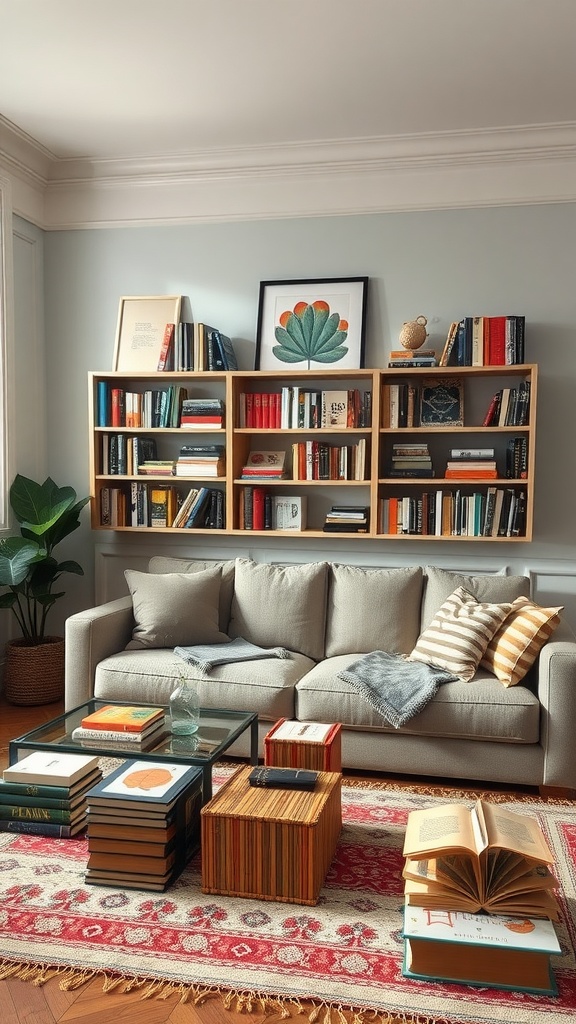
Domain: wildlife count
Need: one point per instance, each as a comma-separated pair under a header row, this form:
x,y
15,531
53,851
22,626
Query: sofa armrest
x,y
556,677
91,636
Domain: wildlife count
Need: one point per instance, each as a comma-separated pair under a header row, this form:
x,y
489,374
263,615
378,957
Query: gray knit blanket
x,y
396,688
205,656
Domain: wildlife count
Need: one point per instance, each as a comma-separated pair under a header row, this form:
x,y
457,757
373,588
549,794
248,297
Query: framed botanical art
x,y
142,321
442,403
312,324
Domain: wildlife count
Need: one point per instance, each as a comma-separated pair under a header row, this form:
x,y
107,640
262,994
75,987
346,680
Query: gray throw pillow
x,y
168,563
372,610
280,606
175,609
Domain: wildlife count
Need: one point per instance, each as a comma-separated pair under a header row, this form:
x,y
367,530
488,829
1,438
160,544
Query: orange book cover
x,y
122,719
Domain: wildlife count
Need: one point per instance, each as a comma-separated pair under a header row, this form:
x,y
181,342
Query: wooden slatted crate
x,y
300,751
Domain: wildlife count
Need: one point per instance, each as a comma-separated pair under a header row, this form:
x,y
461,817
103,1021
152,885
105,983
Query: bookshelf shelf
x,y
373,442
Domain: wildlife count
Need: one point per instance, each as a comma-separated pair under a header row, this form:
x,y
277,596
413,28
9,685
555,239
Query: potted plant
x,y
34,672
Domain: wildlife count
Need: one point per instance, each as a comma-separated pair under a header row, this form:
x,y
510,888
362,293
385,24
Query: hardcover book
x,y
51,768
139,785
480,949
122,719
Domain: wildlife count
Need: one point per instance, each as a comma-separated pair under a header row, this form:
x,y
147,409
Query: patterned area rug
x,y
345,953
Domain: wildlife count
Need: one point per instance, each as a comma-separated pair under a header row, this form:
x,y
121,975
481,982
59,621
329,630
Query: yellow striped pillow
x,y
460,633
518,641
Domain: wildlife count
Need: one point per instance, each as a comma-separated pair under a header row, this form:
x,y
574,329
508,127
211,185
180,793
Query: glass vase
x,y
184,708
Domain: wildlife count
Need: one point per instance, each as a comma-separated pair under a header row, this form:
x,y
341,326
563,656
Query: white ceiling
x,y
132,78
131,111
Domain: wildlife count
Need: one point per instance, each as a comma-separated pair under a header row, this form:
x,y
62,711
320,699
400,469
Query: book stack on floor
x,y
122,727
479,898
143,824
347,519
45,794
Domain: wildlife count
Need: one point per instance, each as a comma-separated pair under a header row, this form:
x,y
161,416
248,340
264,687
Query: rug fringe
x,y
270,1007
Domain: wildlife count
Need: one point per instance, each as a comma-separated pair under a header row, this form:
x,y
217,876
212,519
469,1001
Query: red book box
x,y
299,750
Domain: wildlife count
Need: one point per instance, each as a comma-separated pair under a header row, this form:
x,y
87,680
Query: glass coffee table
x,y
217,731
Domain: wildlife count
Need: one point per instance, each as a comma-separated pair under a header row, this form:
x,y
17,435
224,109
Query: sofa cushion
x,y
518,641
460,633
150,676
477,710
280,606
440,583
165,563
372,609
175,608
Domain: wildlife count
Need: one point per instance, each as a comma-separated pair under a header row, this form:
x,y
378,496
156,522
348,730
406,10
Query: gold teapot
x,y
414,333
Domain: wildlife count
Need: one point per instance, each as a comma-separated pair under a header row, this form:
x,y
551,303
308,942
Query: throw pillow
x,y
175,609
460,633
168,563
518,641
280,606
372,609
440,583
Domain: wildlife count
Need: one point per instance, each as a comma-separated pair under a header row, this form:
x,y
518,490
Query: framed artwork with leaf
x,y
312,324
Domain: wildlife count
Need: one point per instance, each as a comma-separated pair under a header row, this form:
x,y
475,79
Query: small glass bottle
x,y
184,708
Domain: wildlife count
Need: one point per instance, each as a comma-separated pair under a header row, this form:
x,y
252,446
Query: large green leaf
x,y
310,333
17,555
38,506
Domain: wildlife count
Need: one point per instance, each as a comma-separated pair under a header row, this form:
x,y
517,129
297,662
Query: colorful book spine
x,y
33,815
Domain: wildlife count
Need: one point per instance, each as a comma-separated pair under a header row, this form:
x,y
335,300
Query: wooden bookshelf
x,y
478,385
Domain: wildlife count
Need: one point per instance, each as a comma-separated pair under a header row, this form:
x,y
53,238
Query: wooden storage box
x,y
324,755
270,844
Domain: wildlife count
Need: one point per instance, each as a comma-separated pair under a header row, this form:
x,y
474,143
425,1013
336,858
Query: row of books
x,y
259,509
143,824
509,407
45,794
155,407
143,505
298,408
405,404
484,341
479,898
196,347
497,512
347,519
317,460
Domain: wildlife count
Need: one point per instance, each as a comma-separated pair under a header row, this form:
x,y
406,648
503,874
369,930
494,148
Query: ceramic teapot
x,y
414,333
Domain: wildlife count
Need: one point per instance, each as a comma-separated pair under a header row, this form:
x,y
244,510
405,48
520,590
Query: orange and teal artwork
x,y
311,332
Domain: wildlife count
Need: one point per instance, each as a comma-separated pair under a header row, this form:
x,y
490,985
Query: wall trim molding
x,y
518,165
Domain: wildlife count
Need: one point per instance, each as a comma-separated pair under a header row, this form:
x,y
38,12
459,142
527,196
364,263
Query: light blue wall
x,y
443,264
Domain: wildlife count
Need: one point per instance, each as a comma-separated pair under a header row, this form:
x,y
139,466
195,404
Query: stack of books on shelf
x,y
318,460
412,359
157,467
462,866
45,794
347,519
201,460
471,464
143,824
122,727
264,465
411,460
484,341
202,508
202,414
509,407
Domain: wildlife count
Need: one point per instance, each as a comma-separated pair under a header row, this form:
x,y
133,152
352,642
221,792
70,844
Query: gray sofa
x,y
327,615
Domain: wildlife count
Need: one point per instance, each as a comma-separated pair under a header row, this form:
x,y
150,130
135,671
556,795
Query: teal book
x,y
490,950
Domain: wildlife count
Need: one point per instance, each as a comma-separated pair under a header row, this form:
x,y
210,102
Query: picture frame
x,y
442,403
140,330
301,324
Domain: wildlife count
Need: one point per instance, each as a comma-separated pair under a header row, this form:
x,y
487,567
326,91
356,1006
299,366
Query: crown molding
x,y
528,164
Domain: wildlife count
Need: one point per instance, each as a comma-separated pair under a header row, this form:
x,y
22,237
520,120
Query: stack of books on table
x,y
479,897
122,727
45,794
201,460
347,519
411,460
202,414
143,824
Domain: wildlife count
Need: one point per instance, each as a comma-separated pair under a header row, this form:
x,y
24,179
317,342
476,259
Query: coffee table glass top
x,y
217,731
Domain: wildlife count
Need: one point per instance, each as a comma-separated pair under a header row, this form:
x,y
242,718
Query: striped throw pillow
x,y
460,633
518,641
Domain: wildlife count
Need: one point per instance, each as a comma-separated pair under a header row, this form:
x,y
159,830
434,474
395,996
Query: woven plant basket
x,y
34,675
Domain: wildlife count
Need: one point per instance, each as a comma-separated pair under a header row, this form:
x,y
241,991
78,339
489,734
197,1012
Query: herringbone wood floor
x,y
23,1003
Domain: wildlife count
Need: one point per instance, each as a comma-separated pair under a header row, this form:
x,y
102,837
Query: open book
x,y
480,858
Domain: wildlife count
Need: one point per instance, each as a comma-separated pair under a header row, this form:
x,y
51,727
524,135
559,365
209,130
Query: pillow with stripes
x,y
518,641
460,633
